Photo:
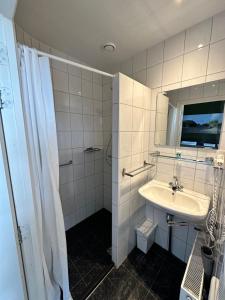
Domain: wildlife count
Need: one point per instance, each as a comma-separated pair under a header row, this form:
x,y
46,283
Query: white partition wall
x,y
131,124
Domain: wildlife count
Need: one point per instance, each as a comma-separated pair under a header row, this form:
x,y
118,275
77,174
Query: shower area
x,y
83,109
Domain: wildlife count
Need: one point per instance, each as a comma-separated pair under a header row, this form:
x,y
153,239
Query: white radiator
x,y
192,283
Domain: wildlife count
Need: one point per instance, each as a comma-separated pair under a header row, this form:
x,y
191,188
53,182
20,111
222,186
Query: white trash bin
x,y
145,235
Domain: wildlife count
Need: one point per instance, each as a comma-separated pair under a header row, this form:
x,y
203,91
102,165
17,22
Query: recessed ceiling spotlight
x,y
110,47
200,46
178,1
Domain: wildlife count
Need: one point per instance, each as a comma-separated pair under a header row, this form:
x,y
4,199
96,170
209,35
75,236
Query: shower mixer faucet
x,y
175,185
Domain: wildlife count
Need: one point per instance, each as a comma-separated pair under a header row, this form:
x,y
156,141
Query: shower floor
x,y
88,246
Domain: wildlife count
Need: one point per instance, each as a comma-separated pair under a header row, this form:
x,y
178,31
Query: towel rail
x,y
146,166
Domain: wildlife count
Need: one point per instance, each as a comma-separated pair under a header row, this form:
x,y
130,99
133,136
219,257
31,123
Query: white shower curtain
x,y
42,142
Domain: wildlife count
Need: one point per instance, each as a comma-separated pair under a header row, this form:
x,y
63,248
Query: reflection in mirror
x,y
191,116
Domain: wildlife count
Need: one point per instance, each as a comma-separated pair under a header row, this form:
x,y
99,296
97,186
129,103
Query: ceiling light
x,y
178,1
110,47
200,46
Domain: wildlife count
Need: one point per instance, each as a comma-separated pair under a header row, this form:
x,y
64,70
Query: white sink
x,y
188,205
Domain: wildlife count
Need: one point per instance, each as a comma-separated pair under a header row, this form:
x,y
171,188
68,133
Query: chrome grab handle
x,y
66,164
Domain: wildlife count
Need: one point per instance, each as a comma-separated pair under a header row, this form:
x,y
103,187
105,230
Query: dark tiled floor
x,y
157,275
89,261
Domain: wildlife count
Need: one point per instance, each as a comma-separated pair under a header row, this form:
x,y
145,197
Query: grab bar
x,y
146,166
66,164
91,149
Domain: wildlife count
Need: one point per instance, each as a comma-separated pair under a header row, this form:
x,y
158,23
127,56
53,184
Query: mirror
x,y
191,116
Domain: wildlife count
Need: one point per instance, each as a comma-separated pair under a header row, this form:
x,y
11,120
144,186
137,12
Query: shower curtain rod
x,y
70,62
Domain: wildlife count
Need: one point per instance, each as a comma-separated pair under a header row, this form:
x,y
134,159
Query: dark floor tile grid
x,y
88,259
155,276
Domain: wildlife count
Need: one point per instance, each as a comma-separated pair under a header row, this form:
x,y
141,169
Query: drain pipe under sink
x,y
171,223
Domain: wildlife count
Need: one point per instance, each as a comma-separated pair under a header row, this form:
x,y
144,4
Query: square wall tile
x,y
63,121
65,156
194,81
66,174
76,104
88,106
107,92
78,156
139,61
195,63
172,70
88,139
198,35
141,76
76,122
57,64
69,221
77,139
154,76
88,123
125,141
86,75
74,85
216,57
125,89
218,32
174,46
87,89
97,78
155,55
127,67
74,70
60,80
97,91
137,142
64,139
62,102
138,94
125,117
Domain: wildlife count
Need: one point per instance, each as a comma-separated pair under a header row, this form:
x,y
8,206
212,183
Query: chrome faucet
x,y
175,185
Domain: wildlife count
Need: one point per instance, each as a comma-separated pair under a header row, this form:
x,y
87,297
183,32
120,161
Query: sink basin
x,y
188,205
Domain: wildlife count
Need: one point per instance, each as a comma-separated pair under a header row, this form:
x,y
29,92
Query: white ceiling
x,y
80,27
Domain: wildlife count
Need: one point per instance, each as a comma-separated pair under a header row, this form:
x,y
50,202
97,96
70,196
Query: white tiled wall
x,y
131,117
175,63
80,108
178,61
107,140
78,105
